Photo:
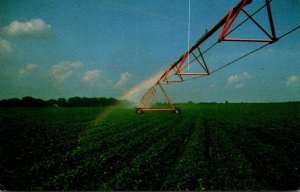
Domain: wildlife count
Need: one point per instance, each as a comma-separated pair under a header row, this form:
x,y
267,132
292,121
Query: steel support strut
x,y
233,13
147,96
271,20
176,68
272,38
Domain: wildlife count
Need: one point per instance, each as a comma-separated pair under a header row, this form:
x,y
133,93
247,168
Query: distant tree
x,y
14,102
51,102
32,102
24,102
62,102
74,101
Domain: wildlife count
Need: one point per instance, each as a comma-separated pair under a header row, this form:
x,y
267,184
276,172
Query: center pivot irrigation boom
x,y
176,72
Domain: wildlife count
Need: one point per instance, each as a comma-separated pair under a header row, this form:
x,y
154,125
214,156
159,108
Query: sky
x,y
105,48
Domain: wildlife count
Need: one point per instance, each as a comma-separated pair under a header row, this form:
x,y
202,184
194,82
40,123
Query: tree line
x,y
61,102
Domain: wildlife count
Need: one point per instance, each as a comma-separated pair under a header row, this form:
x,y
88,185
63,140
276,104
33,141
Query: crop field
x,y
207,147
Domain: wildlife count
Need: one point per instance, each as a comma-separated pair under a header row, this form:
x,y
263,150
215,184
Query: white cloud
x,y
239,79
27,69
5,46
292,80
63,70
240,85
270,50
212,86
31,27
124,77
89,75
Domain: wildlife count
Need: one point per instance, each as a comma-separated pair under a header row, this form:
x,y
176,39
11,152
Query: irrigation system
x,y
177,72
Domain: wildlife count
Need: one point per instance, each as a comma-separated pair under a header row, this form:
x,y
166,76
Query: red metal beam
x,y
147,96
233,12
167,96
209,33
178,65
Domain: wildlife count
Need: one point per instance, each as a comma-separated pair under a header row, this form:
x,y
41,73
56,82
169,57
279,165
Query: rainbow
x,y
130,93
126,96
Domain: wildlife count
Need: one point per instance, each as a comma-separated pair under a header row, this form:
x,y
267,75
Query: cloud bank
x,y
124,77
5,46
63,70
89,75
27,69
28,28
239,80
292,80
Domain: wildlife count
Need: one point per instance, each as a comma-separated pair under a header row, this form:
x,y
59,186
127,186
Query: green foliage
x,y
207,147
61,102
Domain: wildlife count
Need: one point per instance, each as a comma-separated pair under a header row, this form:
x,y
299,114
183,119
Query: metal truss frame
x,y
175,72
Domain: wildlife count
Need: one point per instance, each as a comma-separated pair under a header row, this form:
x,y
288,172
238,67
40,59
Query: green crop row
x,y
207,147
104,157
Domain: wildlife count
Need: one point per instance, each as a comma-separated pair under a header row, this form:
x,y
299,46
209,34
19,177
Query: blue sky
x,y
95,48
